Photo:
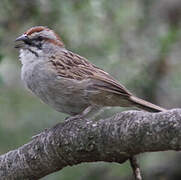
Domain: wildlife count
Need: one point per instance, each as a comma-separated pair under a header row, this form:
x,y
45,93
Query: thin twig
x,y
135,167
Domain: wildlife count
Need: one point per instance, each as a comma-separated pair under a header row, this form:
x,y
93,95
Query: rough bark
x,y
114,139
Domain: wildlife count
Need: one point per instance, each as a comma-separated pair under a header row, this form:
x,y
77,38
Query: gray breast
x,y
64,95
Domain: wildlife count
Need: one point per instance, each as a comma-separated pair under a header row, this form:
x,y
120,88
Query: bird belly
x,y
64,95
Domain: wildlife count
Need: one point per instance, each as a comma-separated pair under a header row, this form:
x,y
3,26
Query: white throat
x,y
28,57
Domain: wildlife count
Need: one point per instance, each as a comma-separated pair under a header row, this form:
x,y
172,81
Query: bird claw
x,y
73,118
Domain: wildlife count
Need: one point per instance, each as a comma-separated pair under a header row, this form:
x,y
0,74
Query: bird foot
x,y
73,118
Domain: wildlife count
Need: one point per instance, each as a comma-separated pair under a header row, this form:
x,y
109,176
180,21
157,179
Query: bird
x,y
68,82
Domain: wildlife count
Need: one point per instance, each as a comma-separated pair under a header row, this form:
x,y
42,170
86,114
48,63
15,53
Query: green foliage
x,y
1,80
170,38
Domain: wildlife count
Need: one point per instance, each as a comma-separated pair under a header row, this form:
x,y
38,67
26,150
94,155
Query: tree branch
x,y
114,139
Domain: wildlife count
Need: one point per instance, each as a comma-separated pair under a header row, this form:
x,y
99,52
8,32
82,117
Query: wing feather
x,y
73,66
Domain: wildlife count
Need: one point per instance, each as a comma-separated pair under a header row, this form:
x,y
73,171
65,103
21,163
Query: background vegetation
x,y
137,41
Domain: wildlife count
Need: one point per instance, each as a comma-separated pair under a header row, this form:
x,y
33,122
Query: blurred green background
x,y
137,41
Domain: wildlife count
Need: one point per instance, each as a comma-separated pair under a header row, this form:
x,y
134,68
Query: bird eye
x,y
39,38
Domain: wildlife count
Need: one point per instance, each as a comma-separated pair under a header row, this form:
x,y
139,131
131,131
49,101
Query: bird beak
x,y
23,37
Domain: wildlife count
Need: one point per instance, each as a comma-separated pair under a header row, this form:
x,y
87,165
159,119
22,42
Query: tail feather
x,y
140,103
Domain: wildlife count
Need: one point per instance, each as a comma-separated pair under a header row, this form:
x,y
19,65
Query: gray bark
x,y
114,139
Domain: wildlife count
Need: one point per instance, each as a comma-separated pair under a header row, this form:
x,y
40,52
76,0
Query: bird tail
x,y
140,103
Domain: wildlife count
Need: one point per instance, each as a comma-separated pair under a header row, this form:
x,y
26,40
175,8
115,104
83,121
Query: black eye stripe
x,y
35,42
28,41
39,38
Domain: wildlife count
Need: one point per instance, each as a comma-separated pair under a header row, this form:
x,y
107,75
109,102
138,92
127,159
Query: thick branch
x,y
114,139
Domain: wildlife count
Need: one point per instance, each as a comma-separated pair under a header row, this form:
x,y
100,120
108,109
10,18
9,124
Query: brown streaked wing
x,y
73,66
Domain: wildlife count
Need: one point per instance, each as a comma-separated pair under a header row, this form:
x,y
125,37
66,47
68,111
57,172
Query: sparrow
x,y
68,82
